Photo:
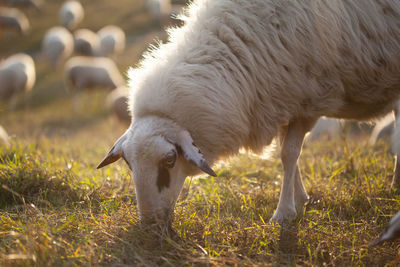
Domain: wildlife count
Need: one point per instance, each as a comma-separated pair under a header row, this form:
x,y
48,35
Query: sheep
x,y
4,139
383,130
11,19
86,42
117,103
112,40
87,72
17,73
392,231
71,14
325,128
239,74
160,10
57,45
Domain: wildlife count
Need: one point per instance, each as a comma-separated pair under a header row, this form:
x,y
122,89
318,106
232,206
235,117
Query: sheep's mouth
x,y
164,219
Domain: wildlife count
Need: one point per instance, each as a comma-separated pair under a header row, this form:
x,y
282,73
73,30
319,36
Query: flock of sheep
x,y
85,56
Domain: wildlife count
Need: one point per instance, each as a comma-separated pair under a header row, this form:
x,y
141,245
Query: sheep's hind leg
x,y
292,191
396,173
300,194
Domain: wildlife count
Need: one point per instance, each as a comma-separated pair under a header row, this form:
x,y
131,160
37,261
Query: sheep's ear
x,y
115,152
192,153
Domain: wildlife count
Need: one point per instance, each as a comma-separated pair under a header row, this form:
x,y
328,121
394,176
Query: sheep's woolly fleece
x,y
239,70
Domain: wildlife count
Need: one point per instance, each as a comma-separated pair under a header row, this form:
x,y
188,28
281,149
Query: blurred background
x,y
63,63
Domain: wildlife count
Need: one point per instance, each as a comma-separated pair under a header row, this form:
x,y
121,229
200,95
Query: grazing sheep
x,y
17,73
117,102
4,137
86,42
392,231
57,45
240,73
325,128
112,40
71,14
160,10
383,130
11,19
87,72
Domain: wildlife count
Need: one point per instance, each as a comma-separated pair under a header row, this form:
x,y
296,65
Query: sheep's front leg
x,y
300,194
396,174
290,151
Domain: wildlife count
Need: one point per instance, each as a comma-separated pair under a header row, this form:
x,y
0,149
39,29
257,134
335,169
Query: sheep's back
x,y
258,64
86,72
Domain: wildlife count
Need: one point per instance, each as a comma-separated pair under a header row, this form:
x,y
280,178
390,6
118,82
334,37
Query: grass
x,y
56,209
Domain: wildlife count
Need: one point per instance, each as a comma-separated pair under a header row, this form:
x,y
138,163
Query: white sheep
x,y
71,14
17,74
57,45
89,72
112,40
86,42
160,10
325,128
13,20
4,137
383,130
240,73
117,103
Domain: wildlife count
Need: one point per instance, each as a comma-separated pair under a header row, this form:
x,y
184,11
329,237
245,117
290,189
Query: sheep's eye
x,y
169,160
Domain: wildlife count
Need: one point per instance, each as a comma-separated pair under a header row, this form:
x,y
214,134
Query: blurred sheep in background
x,y
71,14
86,42
112,40
89,72
17,74
13,20
57,45
325,128
117,103
24,3
160,10
4,139
383,130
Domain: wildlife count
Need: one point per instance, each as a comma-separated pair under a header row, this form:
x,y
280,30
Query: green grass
x,y
56,209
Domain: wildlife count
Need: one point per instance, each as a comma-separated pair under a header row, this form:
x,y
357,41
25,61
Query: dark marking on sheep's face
x,y
168,162
163,179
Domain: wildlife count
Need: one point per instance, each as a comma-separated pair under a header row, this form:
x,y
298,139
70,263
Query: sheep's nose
x,y
160,217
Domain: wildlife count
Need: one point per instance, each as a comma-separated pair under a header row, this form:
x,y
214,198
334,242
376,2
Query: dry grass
x,y
56,209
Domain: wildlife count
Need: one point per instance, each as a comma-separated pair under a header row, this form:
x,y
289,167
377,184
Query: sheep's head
x,y
161,155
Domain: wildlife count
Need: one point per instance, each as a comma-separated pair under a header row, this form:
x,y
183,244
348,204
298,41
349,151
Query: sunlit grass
x,y
56,209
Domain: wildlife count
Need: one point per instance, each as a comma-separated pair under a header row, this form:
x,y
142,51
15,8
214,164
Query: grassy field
x,y
56,209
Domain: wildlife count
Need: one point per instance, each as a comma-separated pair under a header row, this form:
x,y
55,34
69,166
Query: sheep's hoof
x,y
284,217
